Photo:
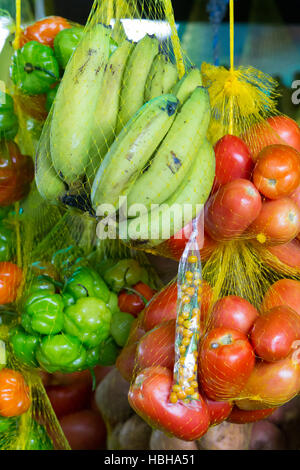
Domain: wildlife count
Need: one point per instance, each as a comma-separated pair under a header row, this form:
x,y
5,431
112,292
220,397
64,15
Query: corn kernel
x,y
185,341
173,398
189,391
181,394
190,291
186,299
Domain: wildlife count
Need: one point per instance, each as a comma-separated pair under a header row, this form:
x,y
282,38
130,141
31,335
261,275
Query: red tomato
x,y
16,173
218,410
287,130
238,416
233,160
287,253
134,303
66,399
233,312
161,308
156,348
277,171
84,430
149,397
10,280
226,360
274,333
44,31
14,393
275,130
272,383
278,222
126,362
282,292
232,209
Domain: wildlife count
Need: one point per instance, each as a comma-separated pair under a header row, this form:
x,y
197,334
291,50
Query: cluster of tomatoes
x,y
248,360
256,192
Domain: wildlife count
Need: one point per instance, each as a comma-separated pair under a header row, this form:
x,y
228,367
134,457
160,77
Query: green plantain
x,y
107,107
134,79
151,228
132,149
162,76
49,184
191,80
75,103
173,158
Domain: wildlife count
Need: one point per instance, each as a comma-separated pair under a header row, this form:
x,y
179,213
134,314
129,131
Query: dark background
x,y
268,11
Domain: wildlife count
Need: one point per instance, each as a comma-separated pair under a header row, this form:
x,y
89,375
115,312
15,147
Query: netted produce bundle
x,y
247,362
41,51
125,139
27,421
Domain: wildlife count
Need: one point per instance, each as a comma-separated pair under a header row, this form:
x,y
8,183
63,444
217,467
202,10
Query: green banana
x,y
107,107
187,84
162,76
132,149
118,32
153,86
134,79
75,102
151,228
172,160
48,183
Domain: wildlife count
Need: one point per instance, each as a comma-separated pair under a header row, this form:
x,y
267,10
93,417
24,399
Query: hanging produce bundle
x,y
42,51
144,134
248,356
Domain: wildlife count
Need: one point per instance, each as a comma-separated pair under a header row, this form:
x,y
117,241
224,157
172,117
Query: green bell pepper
x,y
8,119
24,346
34,68
125,272
87,282
120,327
112,303
7,237
109,351
65,43
43,314
42,283
61,352
88,320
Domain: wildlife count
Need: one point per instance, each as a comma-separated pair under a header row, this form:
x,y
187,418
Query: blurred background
x,y
267,33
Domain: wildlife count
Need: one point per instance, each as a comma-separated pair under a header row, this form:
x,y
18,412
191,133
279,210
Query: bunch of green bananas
x,y
122,124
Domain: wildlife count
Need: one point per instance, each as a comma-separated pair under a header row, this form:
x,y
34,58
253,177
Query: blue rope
x,y
216,10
